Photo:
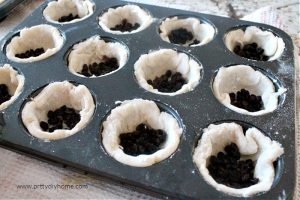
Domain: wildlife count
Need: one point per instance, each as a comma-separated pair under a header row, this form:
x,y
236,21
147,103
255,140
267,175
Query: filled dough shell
x,y
132,13
156,63
60,8
272,45
40,36
203,32
14,81
52,97
94,50
237,77
252,145
126,117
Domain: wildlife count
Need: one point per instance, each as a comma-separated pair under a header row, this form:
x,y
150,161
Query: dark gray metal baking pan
x,y
7,6
177,176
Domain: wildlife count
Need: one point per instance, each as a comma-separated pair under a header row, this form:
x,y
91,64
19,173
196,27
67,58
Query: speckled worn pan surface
x,y
177,176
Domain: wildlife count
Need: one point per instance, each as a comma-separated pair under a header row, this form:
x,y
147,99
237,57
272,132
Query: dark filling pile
x,y
106,66
251,51
168,82
243,99
182,36
4,94
143,140
125,26
68,18
227,168
62,118
31,53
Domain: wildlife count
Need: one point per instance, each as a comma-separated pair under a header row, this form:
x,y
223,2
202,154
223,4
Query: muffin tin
x,y
177,176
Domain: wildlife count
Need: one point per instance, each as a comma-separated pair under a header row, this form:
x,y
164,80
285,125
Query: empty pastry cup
x,y
109,56
68,11
254,43
52,97
126,117
125,19
34,44
11,85
252,145
187,31
157,63
233,79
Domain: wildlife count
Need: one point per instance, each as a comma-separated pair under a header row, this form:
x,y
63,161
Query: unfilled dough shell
x,y
40,36
132,13
203,32
272,45
154,64
126,117
52,97
237,77
60,8
14,81
253,145
93,50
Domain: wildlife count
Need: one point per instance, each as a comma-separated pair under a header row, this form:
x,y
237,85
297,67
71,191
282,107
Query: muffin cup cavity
x,y
236,78
68,11
52,97
34,44
126,117
12,82
125,19
157,63
252,144
253,41
186,31
109,56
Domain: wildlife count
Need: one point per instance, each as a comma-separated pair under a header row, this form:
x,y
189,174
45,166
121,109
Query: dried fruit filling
x,y
168,82
243,99
31,53
106,66
125,26
251,51
227,168
143,140
4,93
62,118
182,36
68,18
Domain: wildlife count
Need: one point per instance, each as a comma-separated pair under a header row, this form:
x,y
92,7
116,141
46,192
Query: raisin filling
x,y
182,36
143,140
168,82
251,51
31,53
106,66
61,118
68,18
125,26
227,168
4,93
243,99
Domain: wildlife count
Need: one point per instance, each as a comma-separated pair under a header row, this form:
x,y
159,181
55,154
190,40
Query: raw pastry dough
x,y
273,46
253,145
133,14
126,117
45,36
60,8
156,63
52,97
237,77
14,82
203,32
92,50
